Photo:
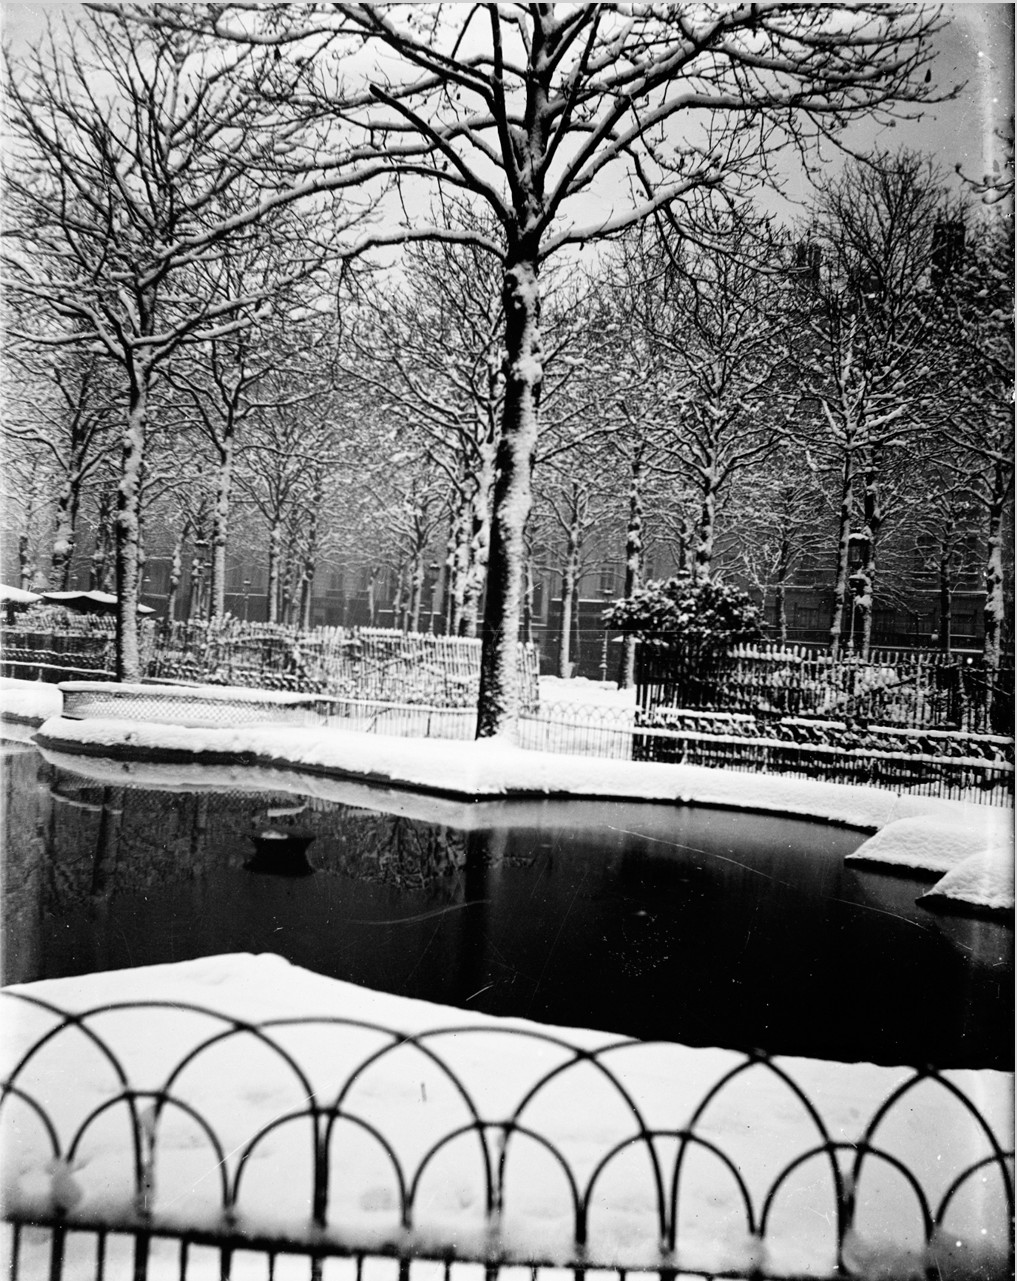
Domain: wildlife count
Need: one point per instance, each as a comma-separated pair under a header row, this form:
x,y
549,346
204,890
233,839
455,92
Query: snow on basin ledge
x,y
974,850
492,768
240,1084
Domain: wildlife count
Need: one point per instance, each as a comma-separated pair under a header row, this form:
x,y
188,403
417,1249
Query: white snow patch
x,y
239,1086
937,843
579,691
29,700
984,879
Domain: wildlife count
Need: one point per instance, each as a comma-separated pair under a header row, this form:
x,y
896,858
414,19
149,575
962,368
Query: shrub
x,y
704,614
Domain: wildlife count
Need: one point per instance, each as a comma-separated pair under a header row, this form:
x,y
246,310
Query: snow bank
x,y
462,1068
935,843
976,852
984,879
29,700
493,768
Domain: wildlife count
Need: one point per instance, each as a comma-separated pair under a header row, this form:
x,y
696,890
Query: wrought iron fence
x,y
139,1132
915,689
953,765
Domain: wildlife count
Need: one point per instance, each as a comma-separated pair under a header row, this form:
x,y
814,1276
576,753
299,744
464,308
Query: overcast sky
x,y
976,50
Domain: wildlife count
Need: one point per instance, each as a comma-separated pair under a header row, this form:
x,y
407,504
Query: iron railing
x,y
919,690
318,1139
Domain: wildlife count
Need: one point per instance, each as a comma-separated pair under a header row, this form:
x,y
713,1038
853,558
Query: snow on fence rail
x,y
890,687
286,1144
950,764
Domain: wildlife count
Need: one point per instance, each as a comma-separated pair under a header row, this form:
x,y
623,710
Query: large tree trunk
x,y
220,522
499,702
945,599
128,542
633,564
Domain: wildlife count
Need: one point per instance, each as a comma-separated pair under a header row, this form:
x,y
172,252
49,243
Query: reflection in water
x,y
679,923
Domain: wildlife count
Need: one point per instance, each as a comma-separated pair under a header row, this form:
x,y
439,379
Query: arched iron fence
x,y
305,1141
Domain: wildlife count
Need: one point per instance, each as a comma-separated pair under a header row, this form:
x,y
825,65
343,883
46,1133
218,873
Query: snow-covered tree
x,y
546,114
864,354
131,159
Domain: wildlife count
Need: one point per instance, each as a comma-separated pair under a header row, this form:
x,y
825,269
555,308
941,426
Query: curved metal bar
x,y
254,1030
959,1182
936,1077
578,1212
443,1067
686,1137
592,1057
193,1113
435,1148
757,1058
390,1152
840,1191
39,1111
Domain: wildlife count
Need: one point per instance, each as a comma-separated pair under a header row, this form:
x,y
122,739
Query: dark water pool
x,y
708,927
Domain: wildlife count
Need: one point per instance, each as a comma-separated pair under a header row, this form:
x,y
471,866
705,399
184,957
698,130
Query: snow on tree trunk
x,y
416,591
872,522
99,560
128,541
499,703
479,545
945,600
274,569
568,590
372,596
706,532
633,565
994,598
64,531
780,588
220,522
842,566
528,599
26,568
176,573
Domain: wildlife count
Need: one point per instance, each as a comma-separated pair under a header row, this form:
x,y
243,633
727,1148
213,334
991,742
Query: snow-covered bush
x,y
702,614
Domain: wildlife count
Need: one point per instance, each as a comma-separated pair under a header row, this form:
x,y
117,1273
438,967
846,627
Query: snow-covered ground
x,y
405,1098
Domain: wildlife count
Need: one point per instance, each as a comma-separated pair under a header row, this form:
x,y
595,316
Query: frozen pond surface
x,y
696,925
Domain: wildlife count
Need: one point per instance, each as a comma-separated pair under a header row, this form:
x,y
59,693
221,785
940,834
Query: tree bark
x,y
176,573
633,564
128,654
498,706
872,519
65,527
994,599
842,563
220,522
274,559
